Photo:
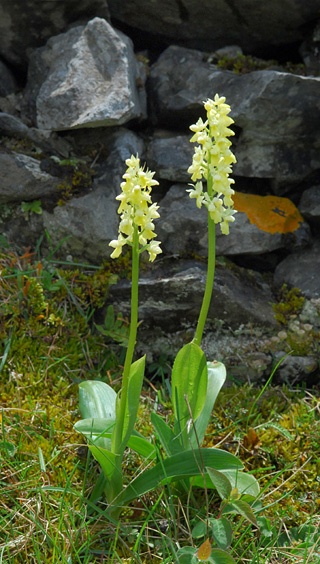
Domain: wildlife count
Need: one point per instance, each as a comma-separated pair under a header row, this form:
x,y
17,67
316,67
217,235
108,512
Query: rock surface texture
x,y
84,85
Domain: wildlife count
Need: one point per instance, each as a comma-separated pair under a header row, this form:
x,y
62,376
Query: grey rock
x,y
172,300
209,25
29,24
301,270
12,126
90,222
183,229
86,225
86,77
276,113
22,179
309,206
8,84
294,369
170,156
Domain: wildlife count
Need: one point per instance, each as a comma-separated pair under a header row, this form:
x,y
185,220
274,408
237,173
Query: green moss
x,y
290,304
78,178
243,64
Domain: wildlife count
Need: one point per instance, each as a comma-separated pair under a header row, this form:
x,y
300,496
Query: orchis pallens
x,y
137,211
212,162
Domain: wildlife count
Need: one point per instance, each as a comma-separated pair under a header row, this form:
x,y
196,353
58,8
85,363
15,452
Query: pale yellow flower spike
x,y
213,156
136,209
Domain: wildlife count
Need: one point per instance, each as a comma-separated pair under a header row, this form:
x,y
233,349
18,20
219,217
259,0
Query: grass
x,y
47,474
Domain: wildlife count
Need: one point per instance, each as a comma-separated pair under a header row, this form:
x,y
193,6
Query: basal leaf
x,y
189,380
178,466
96,400
216,379
133,398
170,442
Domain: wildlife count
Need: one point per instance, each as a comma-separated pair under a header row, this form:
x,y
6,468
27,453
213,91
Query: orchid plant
x,y
109,418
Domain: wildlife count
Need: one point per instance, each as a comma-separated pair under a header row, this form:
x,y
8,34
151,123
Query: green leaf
x,y
241,508
219,556
97,400
168,439
112,473
199,530
106,459
96,430
189,379
222,532
142,446
216,378
133,399
264,526
246,483
178,466
187,555
220,482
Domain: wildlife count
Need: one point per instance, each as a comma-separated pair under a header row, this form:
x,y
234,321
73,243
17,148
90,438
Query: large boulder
x,y
86,77
276,113
209,25
171,296
183,229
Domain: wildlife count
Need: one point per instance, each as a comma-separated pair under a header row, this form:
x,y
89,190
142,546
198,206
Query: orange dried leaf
x,y
270,213
204,550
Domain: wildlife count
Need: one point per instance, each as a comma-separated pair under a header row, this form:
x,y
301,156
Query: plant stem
x,y
210,272
131,343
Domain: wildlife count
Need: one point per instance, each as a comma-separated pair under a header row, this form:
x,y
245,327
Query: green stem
x,y
210,273
117,439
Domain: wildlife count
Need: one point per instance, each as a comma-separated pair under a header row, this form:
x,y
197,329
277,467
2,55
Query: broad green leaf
x,y
178,466
216,379
241,508
142,446
246,483
170,442
189,380
187,555
106,459
133,399
219,556
99,429
199,530
220,482
222,532
96,400
112,473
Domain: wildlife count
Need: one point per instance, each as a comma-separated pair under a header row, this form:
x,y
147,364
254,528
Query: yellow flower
x,y
213,157
136,210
